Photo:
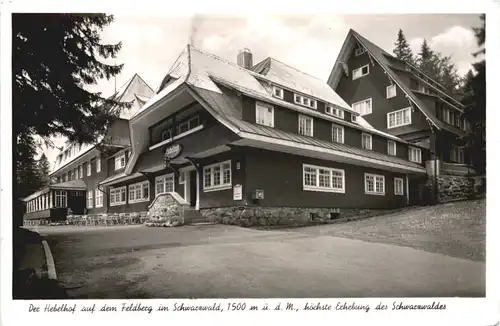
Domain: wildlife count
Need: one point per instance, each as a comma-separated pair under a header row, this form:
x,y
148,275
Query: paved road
x,y
217,261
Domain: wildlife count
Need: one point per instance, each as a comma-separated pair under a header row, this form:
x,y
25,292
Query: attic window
x,y
278,92
353,118
360,72
334,111
302,100
359,51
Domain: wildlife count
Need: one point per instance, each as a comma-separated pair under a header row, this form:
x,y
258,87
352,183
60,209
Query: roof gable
x,y
379,55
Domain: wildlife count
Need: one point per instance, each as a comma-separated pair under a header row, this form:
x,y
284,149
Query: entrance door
x,y
192,188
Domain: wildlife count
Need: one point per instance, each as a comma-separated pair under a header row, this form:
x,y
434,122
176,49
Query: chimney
x,y
245,59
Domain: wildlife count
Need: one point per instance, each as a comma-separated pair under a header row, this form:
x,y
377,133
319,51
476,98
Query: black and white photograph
x,y
260,156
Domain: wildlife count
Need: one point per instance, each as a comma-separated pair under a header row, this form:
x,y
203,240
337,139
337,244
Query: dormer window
x,y
359,51
278,92
335,111
353,118
308,102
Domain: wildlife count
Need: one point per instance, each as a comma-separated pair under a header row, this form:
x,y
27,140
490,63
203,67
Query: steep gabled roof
x,y
382,58
125,93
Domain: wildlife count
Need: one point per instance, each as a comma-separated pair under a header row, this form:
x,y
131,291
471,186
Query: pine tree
x,y
44,170
55,57
402,49
475,103
428,61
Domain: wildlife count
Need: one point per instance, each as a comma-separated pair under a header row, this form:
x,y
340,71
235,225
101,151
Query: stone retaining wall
x,y
453,187
166,210
270,216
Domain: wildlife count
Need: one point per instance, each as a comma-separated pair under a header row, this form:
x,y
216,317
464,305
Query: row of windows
x,y
453,118
181,128
308,102
45,201
265,116
319,178
98,198
77,173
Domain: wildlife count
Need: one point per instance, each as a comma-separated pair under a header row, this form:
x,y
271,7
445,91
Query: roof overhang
x,y
296,148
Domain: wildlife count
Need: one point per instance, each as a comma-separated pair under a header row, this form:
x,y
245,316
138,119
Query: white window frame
x,y
302,100
367,136
118,160
182,177
353,118
390,91
264,106
395,114
89,168
359,111
375,190
80,171
357,53
112,196
317,186
90,199
306,118
98,164
389,142
355,74
399,190
336,126
98,198
336,112
138,188
164,179
62,196
414,154
209,170
280,92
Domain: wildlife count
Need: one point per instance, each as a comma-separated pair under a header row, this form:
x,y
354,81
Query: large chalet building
x,y
224,136
397,98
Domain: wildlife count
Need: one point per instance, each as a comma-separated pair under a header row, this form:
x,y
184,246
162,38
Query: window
x,y
359,51
277,92
164,183
98,198
138,192
318,178
80,171
374,184
335,111
390,91
217,176
366,141
117,196
457,120
89,168
363,107
61,199
120,161
398,186
338,133
305,125
399,118
415,154
457,155
446,115
182,177
302,100
264,114
391,147
183,127
166,134
98,165
360,72
90,200
353,118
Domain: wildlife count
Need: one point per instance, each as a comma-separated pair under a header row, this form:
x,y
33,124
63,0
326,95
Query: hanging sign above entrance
x,y
172,151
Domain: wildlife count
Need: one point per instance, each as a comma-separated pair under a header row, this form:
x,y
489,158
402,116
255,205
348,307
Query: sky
x,y
310,43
